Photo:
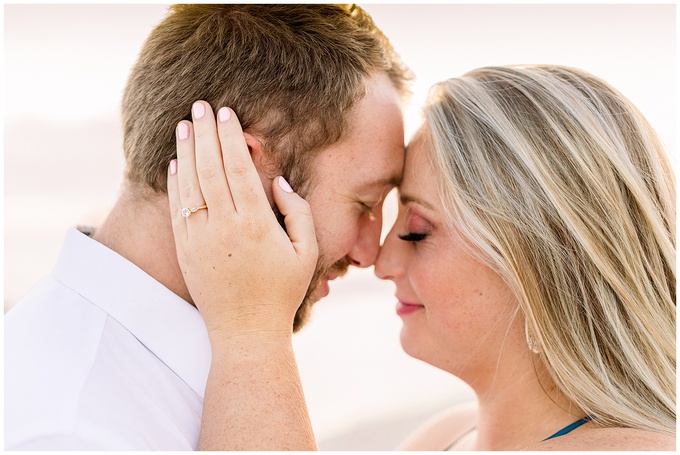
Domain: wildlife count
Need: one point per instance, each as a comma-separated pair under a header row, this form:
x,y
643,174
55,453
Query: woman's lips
x,y
404,308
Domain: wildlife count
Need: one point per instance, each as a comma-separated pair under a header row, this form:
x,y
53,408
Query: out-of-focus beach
x,y
63,164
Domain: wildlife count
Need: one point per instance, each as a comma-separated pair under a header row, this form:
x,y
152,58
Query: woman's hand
x,y
247,278
244,273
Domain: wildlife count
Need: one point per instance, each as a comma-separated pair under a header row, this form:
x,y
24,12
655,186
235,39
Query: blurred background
x,y
65,67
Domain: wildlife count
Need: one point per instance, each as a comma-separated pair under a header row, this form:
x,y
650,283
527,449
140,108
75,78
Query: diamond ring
x,y
188,211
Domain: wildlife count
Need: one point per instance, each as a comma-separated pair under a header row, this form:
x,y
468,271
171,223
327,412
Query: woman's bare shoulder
x,y
442,429
595,439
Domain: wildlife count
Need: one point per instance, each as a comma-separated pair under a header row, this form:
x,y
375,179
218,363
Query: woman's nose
x,y
387,265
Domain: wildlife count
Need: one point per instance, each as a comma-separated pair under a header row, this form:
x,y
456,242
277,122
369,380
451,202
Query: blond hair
x,y
565,190
290,72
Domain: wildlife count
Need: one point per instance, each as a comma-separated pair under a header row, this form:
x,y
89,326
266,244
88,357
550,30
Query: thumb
x,y
298,219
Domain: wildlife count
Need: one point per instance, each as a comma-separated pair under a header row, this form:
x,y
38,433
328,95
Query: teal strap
x,y
571,427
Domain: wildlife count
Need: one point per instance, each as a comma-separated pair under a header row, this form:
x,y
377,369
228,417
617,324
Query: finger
x,y
299,221
179,226
244,181
209,168
189,187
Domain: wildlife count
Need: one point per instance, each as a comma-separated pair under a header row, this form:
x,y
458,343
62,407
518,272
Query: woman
x,y
533,256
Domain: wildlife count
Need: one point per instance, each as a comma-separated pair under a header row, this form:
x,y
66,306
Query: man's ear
x,y
262,163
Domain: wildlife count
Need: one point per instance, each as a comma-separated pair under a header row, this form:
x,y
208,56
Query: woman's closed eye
x,y
418,228
412,237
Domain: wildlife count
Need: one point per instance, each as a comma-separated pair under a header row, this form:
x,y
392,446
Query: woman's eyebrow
x,y
406,198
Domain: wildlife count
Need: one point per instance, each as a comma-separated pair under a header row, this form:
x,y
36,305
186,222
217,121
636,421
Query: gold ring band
x,y
186,212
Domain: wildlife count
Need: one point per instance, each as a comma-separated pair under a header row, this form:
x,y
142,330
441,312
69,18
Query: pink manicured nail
x,y
173,167
199,110
183,131
284,185
224,114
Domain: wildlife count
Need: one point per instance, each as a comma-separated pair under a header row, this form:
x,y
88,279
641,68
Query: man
x,y
109,352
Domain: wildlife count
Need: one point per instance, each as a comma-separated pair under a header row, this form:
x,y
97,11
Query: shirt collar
x,y
171,328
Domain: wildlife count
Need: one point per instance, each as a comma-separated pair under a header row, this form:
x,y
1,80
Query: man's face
x,y
349,182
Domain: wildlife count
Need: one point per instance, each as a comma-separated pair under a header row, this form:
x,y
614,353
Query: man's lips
x,y
323,288
333,275
404,308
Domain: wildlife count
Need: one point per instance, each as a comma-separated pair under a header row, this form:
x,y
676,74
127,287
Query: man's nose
x,y
367,245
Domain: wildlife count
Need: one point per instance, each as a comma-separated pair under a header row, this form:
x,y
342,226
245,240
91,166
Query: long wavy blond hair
x,y
566,191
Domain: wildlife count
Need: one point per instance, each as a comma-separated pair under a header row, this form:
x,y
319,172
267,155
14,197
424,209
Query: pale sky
x,y
77,65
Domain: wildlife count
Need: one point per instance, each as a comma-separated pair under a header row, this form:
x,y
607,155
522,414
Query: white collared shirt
x,y
100,356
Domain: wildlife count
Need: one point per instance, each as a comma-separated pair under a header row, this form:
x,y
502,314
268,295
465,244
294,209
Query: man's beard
x,y
322,271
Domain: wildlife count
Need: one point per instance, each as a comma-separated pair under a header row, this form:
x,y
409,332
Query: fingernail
x,y
284,185
173,167
224,114
199,110
183,131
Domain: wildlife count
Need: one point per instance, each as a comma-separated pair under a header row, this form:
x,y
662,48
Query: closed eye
x,y
412,237
369,208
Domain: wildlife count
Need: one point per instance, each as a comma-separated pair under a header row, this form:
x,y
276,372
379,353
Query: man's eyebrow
x,y
391,181
407,198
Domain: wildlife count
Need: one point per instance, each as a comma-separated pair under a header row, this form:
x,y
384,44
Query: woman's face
x,y
457,313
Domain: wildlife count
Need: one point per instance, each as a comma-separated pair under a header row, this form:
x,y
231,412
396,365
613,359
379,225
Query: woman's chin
x,y
427,350
411,343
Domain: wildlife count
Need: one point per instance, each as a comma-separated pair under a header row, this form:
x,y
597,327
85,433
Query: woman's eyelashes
x,y
418,228
412,237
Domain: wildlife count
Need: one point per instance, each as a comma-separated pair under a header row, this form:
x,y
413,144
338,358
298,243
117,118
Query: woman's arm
x,y
247,277
253,399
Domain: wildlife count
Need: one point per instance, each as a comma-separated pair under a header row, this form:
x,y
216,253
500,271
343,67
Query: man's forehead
x,y
385,170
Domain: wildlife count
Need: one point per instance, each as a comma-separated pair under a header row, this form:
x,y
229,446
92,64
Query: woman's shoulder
x,y
597,439
442,429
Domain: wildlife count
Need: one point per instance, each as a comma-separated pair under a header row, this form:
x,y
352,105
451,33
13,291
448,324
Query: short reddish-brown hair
x,y
290,72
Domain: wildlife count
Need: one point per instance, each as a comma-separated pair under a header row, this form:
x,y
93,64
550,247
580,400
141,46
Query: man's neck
x,y
139,229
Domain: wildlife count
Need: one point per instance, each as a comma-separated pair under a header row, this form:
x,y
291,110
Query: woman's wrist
x,y
254,378
249,341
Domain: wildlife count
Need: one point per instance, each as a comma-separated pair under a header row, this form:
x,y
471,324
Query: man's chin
x,y
318,290
303,313
314,294
322,290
